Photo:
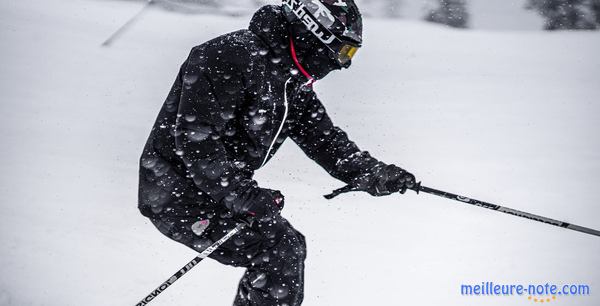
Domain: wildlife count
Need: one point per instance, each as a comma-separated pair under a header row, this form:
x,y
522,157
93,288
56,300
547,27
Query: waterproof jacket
x,y
236,99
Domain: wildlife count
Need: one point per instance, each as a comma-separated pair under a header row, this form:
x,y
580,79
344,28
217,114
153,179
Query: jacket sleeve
x,y
329,145
213,86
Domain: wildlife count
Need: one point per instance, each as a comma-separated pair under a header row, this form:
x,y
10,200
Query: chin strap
x,y
311,80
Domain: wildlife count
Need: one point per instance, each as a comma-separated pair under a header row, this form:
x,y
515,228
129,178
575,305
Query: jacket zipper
x,y
285,113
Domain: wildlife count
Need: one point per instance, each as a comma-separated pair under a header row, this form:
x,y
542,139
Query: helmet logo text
x,y
300,10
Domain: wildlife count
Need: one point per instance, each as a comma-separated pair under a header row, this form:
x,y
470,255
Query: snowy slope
x,y
508,117
498,15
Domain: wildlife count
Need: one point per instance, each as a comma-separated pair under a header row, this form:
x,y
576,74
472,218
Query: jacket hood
x,y
269,24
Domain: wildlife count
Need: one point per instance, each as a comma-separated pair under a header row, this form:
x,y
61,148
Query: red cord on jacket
x,y
311,80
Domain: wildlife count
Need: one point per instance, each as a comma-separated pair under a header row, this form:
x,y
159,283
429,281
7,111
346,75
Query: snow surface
x,y
507,117
498,15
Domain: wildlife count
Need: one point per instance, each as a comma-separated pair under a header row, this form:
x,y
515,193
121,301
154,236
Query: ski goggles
x,y
345,53
319,20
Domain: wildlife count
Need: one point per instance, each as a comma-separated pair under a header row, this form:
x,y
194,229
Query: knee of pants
x,y
286,248
291,249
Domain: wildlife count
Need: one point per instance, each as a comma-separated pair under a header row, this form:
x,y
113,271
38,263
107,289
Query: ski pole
x,y
189,266
418,188
125,26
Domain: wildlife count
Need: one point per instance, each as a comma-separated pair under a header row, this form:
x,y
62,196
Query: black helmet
x,y
336,23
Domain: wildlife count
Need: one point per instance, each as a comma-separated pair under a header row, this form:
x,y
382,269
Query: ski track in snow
x,y
506,117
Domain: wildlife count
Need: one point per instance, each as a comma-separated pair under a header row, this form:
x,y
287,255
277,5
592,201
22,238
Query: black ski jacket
x,y
235,100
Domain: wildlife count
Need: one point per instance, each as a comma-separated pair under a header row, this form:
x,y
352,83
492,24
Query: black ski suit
x,y
235,100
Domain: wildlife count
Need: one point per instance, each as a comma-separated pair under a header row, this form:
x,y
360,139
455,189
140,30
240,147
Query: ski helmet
x,y
336,23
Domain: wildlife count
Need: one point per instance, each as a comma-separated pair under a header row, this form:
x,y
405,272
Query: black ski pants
x,y
273,254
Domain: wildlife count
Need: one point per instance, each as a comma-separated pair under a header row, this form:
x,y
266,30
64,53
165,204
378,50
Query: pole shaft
x,y
508,210
189,266
127,24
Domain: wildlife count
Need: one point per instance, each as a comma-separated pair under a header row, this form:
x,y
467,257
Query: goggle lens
x,y
347,53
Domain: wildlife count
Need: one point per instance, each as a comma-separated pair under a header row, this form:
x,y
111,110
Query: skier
x,y
235,100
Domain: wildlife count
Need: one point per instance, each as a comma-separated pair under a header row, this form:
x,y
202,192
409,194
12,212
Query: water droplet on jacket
x,y
200,133
153,197
263,52
190,118
156,208
259,119
149,163
190,79
201,244
259,281
224,182
276,60
239,241
230,132
171,108
279,291
240,164
227,114
270,234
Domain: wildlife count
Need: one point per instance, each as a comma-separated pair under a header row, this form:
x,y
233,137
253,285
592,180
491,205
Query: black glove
x,y
384,180
260,204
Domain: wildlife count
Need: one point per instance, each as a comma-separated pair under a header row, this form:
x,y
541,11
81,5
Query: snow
x,y
497,15
507,117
